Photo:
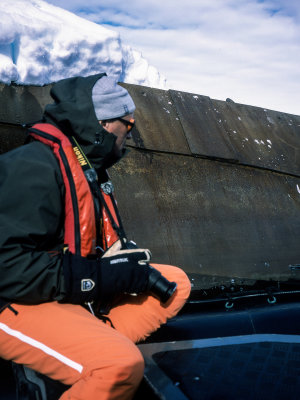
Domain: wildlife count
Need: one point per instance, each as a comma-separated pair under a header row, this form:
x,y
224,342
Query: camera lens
x,y
160,286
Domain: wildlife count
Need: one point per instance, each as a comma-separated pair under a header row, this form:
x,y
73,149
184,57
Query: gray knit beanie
x,y
110,99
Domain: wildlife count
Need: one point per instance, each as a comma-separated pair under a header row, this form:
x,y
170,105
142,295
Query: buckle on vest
x,y
107,187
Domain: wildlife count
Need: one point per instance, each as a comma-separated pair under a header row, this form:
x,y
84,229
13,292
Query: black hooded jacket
x,y
32,196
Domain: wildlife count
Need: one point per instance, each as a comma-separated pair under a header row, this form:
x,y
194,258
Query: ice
x,y
41,43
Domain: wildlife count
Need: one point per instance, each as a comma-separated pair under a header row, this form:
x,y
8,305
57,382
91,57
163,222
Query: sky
x,y
247,50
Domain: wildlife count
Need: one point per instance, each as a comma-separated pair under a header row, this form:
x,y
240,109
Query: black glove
x,y
101,281
82,279
143,279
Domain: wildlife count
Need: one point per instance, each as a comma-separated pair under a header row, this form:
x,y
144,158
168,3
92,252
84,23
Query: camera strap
x,y
106,188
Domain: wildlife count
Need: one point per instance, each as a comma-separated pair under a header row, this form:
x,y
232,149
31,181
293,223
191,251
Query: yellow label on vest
x,y
79,156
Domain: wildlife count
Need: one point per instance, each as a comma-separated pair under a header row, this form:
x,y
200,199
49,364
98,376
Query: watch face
x,y
107,187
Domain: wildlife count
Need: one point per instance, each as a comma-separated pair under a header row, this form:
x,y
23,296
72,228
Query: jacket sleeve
x,y
31,225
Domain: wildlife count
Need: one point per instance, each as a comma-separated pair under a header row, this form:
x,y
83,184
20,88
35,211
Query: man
x,y
65,260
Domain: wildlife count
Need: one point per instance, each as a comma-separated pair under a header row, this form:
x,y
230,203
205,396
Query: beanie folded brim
x,y
111,100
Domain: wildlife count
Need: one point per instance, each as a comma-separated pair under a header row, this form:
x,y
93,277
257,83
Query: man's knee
x,y
117,378
184,284
130,368
126,365
178,275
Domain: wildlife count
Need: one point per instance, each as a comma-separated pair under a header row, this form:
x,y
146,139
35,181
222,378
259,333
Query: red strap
x,y
84,199
109,235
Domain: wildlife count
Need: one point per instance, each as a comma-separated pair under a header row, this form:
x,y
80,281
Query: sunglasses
x,y
130,124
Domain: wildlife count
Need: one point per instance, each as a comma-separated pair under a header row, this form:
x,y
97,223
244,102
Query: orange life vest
x,y
80,221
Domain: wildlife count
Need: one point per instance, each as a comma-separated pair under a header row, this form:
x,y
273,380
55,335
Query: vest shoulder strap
x,y
80,229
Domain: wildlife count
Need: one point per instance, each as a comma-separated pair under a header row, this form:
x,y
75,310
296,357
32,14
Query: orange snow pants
x,y
67,343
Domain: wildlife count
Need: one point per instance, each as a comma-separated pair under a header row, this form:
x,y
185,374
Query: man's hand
x,y
101,281
120,270
124,271
131,251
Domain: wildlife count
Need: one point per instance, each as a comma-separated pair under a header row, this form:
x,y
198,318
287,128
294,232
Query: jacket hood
x,y
73,113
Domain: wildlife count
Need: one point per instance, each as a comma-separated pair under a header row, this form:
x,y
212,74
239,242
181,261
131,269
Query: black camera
x,y
158,285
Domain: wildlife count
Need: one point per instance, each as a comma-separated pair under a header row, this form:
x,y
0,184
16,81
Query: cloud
x,y
247,50
176,13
